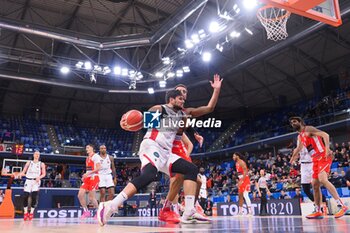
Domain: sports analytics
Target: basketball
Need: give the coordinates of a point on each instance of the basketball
(133, 120)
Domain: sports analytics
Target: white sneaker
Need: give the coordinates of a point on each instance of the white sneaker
(194, 217)
(104, 212)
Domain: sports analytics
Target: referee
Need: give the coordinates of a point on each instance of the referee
(262, 188)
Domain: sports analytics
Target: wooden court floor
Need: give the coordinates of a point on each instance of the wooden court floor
(148, 224)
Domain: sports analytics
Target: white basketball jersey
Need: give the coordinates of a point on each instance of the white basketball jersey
(105, 166)
(34, 170)
(305, 155)
(169, 126)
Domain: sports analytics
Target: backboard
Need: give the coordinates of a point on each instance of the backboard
(12, 166)
(326, 11)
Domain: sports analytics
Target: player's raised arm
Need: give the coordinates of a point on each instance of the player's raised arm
(203, 110)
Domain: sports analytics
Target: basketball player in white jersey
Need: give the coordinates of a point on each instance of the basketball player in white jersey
(34, 171)
(176, 182)
(106, 174)
(155, 155)
(305, 171)
(90, 180)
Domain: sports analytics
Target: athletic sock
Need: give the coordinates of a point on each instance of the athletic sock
(119, 200)
(189, 204)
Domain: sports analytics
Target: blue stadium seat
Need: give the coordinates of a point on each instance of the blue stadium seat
(334, 165)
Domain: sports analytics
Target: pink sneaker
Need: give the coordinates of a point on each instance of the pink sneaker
(86, 214)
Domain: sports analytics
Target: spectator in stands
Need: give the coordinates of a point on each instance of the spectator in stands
(153, 200)
(347, 178)
(2, 196)
(298, 195)
(58, 179)
(279, 162)
(208, 207)
(336, 180)
(284, 195)
(49, 184)
(228, 198)
(343, 178)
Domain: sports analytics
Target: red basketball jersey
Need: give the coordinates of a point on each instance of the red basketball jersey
(314, 144)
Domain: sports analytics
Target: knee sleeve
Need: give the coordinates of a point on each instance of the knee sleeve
(25, 199)
(307, 191)
(148, 175)
(189, 170)
(34, 199)
(247, 199)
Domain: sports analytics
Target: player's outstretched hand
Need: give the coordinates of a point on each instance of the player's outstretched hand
(216, 84)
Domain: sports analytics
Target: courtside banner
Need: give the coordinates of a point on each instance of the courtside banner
(274, 207)
(61, 213)
(148, 212)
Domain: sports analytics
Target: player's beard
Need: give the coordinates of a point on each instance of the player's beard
(177, 107)
(296, 127)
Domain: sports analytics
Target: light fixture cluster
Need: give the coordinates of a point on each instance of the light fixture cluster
(94, 70)
(194, 43)
(169, 72)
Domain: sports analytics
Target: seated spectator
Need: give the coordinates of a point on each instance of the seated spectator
(228, 198)
(336, 180)
(284, 195)
(298, 195)
(347, 178)
(208, 207)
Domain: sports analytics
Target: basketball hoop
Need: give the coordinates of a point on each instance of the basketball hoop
(274, 21)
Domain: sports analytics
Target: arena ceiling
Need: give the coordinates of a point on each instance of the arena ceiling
(39, 36)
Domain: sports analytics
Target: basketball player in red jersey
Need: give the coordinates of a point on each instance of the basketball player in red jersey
(182, 146)
(244, 182)
(90, 180)
(317, 144)
(179, 149)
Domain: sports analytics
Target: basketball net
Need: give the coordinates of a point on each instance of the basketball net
(15, 175)
(274, 21)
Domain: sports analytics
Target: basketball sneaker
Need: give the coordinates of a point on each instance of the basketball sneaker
(341, 211)
(26, 217)
(167, 215)
(194, 217)
(30, 217)
(86, 214)
(104, 212)
(315, 215)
